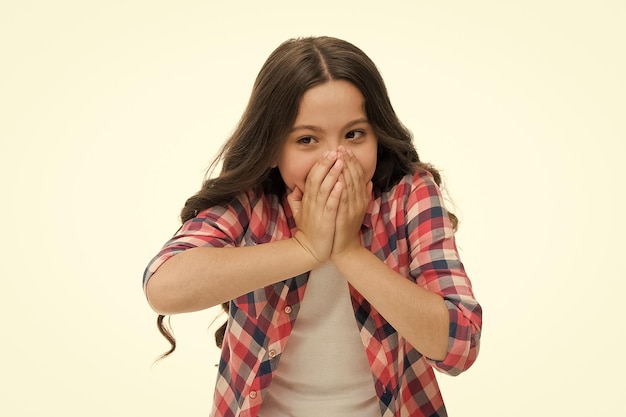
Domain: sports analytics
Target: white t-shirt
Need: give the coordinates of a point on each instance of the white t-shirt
(323, 370)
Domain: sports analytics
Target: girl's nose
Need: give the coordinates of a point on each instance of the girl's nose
(333, 145)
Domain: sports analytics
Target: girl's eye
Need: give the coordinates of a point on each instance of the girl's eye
(305, 140)
(355, 134)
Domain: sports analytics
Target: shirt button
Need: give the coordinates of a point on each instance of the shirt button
(253, 394)
(288, 310)
(272, 353)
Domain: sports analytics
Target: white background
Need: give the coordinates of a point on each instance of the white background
(110, 112)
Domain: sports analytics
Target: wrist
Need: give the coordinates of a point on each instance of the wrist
(311, 259)
(344, 258)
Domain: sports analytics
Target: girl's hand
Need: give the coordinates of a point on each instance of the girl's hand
(355, 198)
(315, 209)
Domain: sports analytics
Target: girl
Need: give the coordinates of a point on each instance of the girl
(328, 240)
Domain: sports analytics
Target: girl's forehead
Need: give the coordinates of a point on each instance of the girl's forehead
(329, 101)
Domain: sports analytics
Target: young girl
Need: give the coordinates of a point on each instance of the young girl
(329, 241)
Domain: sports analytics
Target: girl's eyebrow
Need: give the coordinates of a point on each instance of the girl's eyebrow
(319, 129)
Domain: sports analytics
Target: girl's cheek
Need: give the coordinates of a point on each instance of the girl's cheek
(299, 173)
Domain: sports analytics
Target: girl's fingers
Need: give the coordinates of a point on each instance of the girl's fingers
(355, 182)
(355, 168)
(335, 197)
(347, 176)
(330, 180)
(319, 172)
(318, 204)
(355, 196)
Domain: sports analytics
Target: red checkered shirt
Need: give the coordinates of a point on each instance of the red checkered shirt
(408, 228)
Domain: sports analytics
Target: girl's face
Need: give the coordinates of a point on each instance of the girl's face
(330, 114)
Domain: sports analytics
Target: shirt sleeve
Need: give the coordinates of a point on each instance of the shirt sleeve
(435, 265)
(218, 226)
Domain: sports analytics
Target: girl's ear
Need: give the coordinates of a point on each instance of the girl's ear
(274, 164)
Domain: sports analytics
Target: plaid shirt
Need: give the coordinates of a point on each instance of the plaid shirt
(406, 227)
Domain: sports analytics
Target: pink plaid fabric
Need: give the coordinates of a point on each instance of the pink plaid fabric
(406, 227)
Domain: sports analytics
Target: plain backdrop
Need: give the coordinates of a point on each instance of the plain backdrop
(110, 112)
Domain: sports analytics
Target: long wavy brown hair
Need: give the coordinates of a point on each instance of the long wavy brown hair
(247, 156)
